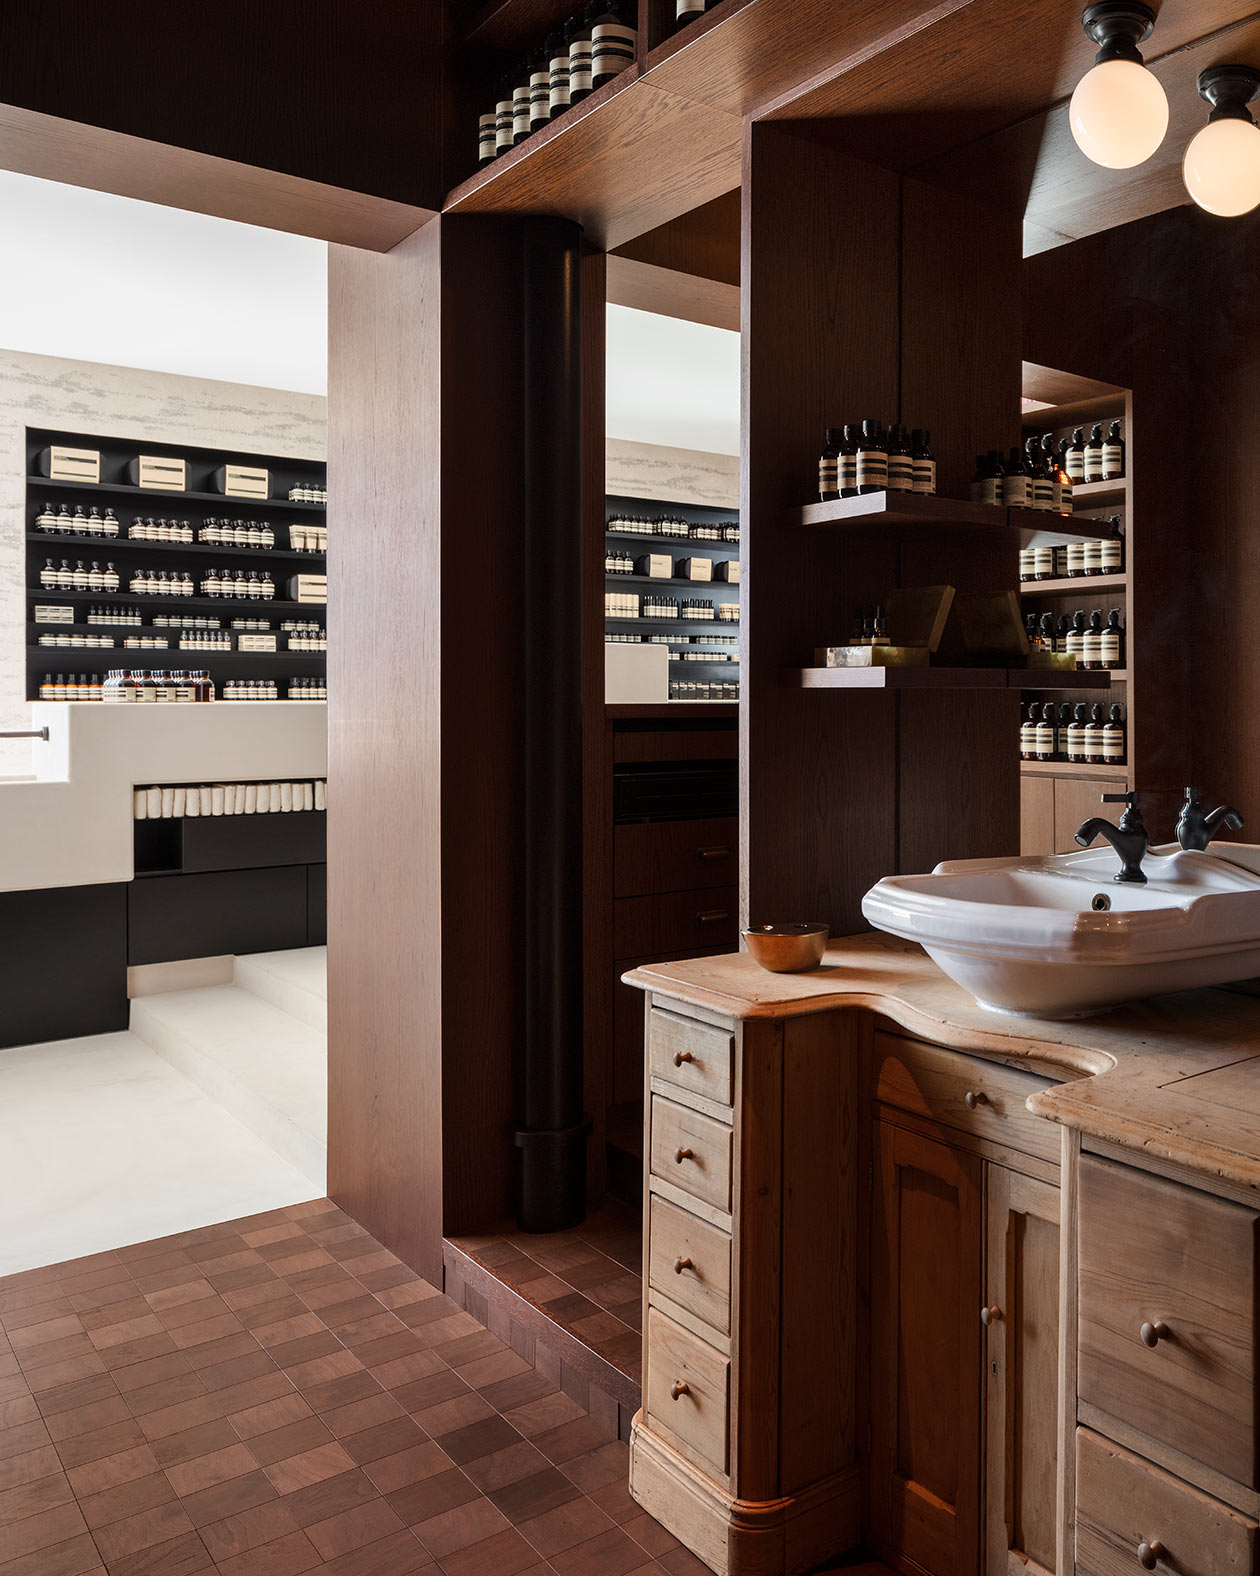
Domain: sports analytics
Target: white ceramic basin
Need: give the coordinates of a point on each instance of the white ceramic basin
(1059, 938)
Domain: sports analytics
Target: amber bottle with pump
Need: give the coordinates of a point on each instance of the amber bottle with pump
(1111, 549)
(1065, 479)
(1076, 733)
(1061, 731)
(557, 75)
(924, 461)
(1094, 735)
(1076, 637)
(1046, 733)
(1028, 731)
(900, 463)
(1094, 454)
(1113, 454)
(1076, 456)
(1017, 482)
(829, 466)
(1091, 653)
(1112, 641)
(1050, 464)
(847, 460)
(1113, 738)
(613, 41)
(578, 31)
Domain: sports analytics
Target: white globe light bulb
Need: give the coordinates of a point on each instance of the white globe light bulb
(1221, 168)
(1118, 114)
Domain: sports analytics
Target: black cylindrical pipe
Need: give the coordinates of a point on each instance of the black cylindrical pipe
(552, 1133)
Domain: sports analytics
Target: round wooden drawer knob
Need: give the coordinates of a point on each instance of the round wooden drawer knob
(680, 1387)
(682, 1056)
(680, 1155)
(990, 1316)
(680, 1265)
(974, 1098)
(1152, 1335)
(1150, 1554)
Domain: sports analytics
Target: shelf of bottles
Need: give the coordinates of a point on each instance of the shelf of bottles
(190, 591)
(671, 578)
(1075, 592)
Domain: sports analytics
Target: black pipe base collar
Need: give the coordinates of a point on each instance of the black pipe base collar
(552, 1177)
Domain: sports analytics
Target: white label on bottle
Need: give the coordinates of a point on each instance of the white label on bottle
(1043, 561)
(502, 142)
(925, 476)
(612, 48)
(1093, 462)
(539, 94)
(900, 473)
(1076, 558)
(1076, 464)
(558, 86)
(1111, 462)
(847, 468)
(579, 66)
(1027, 559)
(1093, 553)
(1111, 555)
(1015, 492)
(872, 468)
(1113, 742)
(486, 132)
(1109, 648)
(828, 475)
(1042, 494)
(520, 111)
(1091, 648)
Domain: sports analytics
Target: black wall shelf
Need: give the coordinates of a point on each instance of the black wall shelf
(198, 504)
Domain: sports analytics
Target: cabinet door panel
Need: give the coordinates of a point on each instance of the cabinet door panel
(925, 1351)
(1075, 800)
(1021, 1373)
(1036, 816)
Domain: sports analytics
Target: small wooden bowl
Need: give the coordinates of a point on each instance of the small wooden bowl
(790, 948)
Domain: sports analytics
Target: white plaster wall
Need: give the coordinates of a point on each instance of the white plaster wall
(119, 402)
(650, 470)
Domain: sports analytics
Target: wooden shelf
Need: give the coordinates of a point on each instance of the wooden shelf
(239, 607)
(1073, 585)
(670, 541)
(37, 485)
(1085, 678)
(1108, 771)
(931, 678)
(674, 708)
(128, 544)
(673, 623)
(172, 657)
(660, 580)
(1097, 495)
(929, 515)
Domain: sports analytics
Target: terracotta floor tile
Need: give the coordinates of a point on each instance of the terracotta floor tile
(648, 1533)
(236, 1370)
(505, 1466)
(609, 1553)
(77, 1556)
(86, 1419)
(182, 1556)
(141, 1349)
(126, 1499)
(313, 1466)
(336, 1393)
(571, 1439)
(412, 1465)
(385, 1439)
(460, 1412)
(505, 1394)
(230, 1498)
(23, 1437)
(485, 1371)
(682, 1562)
(461, 1527)
(264, 1419)
(42, 1530)
(174, 1449)
(31, 1499)
(111, 1471)
(258, 1391)
(239, 1344)
(184, 1291)
(479, 1439)
(353, 1529)
(61, 1376)
(426, 1393)
(166, 1392)
(102, 1442)
(178, 1418)
(376, 1326)
(544, 1415)
(614, 1500)
(153, 1370)
(293, 1439)
(608, 1463)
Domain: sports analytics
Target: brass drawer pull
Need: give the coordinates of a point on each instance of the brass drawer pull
(680, 1265)
(1152, 1335)
(713, 916)
(682, 1056)
(974, 1098)
(990, 1316)
(713, 853)
(682, 1154)
(681, 1387)
(1149, 1554)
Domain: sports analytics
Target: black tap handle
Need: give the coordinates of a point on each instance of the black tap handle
(1120, 798)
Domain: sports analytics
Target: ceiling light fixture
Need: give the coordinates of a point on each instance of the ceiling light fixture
(1119, 112)
(1221, 168)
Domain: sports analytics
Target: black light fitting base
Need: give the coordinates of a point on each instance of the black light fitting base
(1118, 27)
(1229, 89)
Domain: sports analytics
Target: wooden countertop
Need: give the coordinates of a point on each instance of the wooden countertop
(1177, 1077)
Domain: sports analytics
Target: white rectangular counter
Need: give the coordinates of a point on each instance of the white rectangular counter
(71, 823)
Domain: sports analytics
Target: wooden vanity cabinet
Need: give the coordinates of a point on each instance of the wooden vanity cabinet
(964, 1276)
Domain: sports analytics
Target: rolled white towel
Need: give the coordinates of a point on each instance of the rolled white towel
(321, 795)
(274, 799)
(308, 796)
(154, 796)
(192, 801)
(205, 796)
(216, 799)
(140, 804)
(168, 802)
(179, 802)
(230, 800)
(286, 796)
(251, 798)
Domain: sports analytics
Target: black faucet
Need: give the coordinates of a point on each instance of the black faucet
(1194, 829)
(1129, 839)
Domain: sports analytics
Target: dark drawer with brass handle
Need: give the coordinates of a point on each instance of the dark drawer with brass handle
(675, 856)
(1169, 1314)
(676, 922)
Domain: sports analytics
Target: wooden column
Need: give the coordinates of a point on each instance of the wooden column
(426, 896)
(864, 295)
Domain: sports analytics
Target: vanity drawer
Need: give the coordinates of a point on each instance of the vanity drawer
(675, 922)
(691, 1151)
(1154, 1252)
(674, 856)
(1122, 1502)
(687, 1398)
(695, 1056)
(689, 1261)
(964, 1092)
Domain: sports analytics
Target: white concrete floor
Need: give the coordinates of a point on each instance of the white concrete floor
(103, 1142)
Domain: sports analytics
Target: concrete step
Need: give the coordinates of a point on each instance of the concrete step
(265, 1066)
(296, 981)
